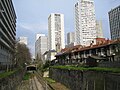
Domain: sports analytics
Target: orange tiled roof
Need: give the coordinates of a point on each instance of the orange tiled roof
(101, 42)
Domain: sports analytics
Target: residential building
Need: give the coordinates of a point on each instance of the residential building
(70, 45)
(49, 55)
(99, 29)
(85, 25)
(114, 21)
(7, 33)
(23, 40)
(70, 38)
(40, 47)
(38, 35)
(56, 32)
(105, 53)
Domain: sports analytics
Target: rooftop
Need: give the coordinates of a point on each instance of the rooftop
(100, 42)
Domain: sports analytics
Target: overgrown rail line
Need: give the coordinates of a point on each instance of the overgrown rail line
(44, 83)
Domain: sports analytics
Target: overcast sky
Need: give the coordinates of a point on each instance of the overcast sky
(32, 16)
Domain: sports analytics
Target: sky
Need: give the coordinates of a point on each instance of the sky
(32, 16)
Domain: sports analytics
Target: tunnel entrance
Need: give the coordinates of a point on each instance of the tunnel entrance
(31, 68)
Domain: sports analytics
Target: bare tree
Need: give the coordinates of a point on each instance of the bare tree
(23, 55)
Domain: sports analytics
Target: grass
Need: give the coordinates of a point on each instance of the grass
(6, 74)
(101, 69)
(27, 76)
(55, 85)
(49, 80)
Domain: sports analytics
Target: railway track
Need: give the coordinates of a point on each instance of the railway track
(35, 86)
(36, 82)
(44, 83)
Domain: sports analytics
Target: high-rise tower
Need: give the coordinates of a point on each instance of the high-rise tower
(99, 29)
(70, 37)
(40, 46)
(114, 20)
(23, 40)
(85, 26)
(56, 32)
(7, 33)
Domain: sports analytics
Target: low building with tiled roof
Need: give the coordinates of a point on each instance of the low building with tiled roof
(108, 49)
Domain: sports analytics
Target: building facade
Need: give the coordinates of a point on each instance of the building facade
(56, 32)
(107, 51)
(23, 40)
(38, 35)
(85, 25)
(7, 33)
(114, 21)
(70, 37)
(99, 29)
(49, 55)
(40, 47)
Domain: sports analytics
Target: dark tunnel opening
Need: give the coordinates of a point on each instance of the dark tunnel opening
(31, 68)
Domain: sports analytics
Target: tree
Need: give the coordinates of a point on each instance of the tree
(46, 65)
(23, 55)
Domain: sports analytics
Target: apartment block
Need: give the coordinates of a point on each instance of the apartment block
(56, 32)
(7, 33)
(114, 21)
(85, 22)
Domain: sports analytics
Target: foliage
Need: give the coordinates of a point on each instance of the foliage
(26, 76)
(39, 60)
(49, 80)
(23, 55)
(6, 74)
(101, 69)
(46, 65)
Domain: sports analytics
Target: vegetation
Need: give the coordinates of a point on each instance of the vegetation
(49, 80)
(39, 61)
(6, 74)
(45, 66)
(23, 55)
(27, 76)
(55, 85)
(101, 69)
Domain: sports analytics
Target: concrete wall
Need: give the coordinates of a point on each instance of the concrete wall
(89, 80)
(109, 64)
(11, 82)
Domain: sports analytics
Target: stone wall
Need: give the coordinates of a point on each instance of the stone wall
(12, 81)
(86, 80)
(109, 64)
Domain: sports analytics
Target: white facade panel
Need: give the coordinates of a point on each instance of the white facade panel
(70, 38)
(56, 32)
(23, 40)
(40, 47)
(99, 29)
(85, 25)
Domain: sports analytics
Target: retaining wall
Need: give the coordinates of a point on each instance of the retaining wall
(12, 81)
(86, 80)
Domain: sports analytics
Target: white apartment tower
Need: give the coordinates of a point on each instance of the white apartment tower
(40, 46)
(99, 29)
(70, 38)
(23, 40)
(85, 22)
(38, 35)
(56, 32)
